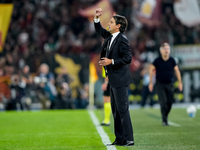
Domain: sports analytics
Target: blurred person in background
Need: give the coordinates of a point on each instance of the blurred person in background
(64, 77)
(165, 66)
(81, 102)
(9, 66)
(82, 99)
(40, 94)
(17, 93)
(51, 92)
(145, 90)
(85, 92)
(64, 100)
(4, 87)
(47, 89)
(44, 72)
(106, 100)
(26, 77)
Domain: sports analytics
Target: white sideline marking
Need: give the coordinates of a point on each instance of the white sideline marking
(104, 137)
(174, 124)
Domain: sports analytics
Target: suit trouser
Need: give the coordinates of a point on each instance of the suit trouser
(165, 95)
(120, 109)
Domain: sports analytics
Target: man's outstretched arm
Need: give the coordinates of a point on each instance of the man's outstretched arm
(98, 28)
(178, 75)
(151, 73)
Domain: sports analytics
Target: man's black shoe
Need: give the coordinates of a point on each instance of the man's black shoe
(115, 143)
(165, 124)
(128, 143)
(105, 124)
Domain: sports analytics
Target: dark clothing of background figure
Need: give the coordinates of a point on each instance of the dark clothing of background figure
(145, 94)
(63, 78)
(107, 91)
(164, 69)
(17, 93)
(165, 94)
(81, 101)
(145, 90)
(64, 101)
(119, 79)
(164, 84)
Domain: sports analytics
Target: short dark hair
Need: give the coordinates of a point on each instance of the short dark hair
(163, 45)
(122, 21)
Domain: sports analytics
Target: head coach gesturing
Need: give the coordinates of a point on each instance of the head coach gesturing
(115, 57)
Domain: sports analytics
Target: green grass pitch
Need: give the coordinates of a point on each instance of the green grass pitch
(74, 130)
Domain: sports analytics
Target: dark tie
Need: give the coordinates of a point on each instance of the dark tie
(107, 49)
(108, 45)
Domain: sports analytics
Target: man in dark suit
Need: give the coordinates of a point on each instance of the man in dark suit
(115, 57)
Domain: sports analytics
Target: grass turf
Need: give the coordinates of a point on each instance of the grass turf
(149, 133)
(74, 130)
(48, 130)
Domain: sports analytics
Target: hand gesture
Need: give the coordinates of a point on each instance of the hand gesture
(105, 61)
(104, 86)
(150, 87)
(98, 12)
(180, 86)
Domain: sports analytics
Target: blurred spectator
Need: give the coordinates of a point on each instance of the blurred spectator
(17, 92)
(64, 100)
(145, 90)
(82, 99)
(47, 86)
(26, 78)
(63, 77)
(51, 92)
(44, 72)
(85, 91)
(40, 92)
(4, 87)
(9, 64)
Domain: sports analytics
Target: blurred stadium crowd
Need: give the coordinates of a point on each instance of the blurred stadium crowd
(41, 28)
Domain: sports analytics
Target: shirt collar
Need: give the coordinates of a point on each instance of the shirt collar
(115, 34)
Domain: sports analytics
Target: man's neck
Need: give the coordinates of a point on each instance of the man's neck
(115, 32)
(165, 58)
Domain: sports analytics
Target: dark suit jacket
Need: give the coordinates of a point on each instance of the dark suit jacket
(118, 74)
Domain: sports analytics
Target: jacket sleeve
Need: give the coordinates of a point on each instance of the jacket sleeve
(125, 53)
(101, 31)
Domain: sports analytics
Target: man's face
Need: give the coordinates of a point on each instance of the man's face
(165, 51)
(113, 27)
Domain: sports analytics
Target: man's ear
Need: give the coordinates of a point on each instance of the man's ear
(118, 26)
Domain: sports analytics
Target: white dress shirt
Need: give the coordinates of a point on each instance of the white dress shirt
(114, 35)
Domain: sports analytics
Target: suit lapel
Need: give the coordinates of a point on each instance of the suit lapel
(106, 42)
(113, 43)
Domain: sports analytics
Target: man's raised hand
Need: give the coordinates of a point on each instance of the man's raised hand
(98, 13)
